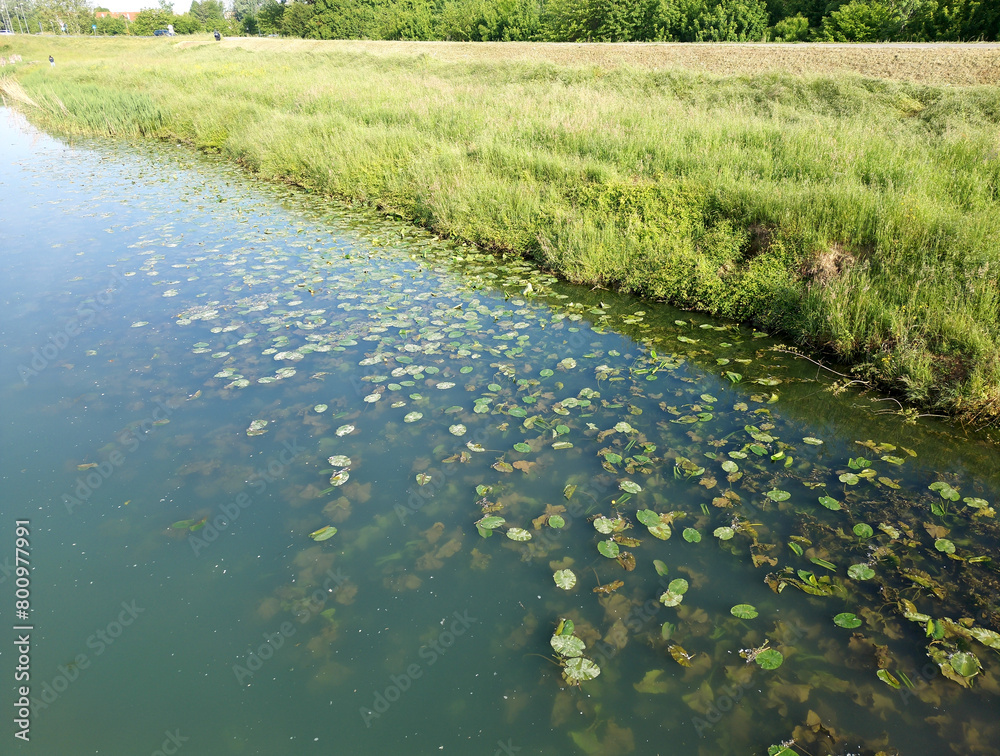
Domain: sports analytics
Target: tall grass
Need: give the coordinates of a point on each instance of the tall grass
(859, 217)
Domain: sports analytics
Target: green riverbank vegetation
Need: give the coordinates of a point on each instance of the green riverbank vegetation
(537, 20)
(858, 217)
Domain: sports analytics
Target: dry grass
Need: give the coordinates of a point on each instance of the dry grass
(949, 64)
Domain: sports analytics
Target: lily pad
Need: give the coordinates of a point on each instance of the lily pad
(580, 669)
(847, 620)
(323, 533)
(744, 611)
(829, 502)
(769, 658)
(340, 460)
(567, 645)
(629, 486)
(691, 535)
(648, 517)
(518, 534)
(724, 533)
(565, 579)
(556, 521)
(608, 548)
(944, 545)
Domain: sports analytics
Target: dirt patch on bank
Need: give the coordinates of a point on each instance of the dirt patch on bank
(950, 64)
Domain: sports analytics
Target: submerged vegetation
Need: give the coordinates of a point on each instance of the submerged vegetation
(859, 217)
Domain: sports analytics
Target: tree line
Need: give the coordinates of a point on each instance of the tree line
(550, 20)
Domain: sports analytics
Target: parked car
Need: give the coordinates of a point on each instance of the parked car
(163, 33)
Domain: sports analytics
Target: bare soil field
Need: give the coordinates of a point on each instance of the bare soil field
(947, 64)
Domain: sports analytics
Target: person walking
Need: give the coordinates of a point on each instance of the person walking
(52, 61)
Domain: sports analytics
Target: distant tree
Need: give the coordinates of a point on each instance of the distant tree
(708, 20)
(344, 19)
(111, 26)
(187, 23)
(296, 19)
(149, 20)
(209, 12)
(408, 20)
(488, 20)
(244, 8)
(269, 17)
(791, 29)
(858, 21)
(954, 20)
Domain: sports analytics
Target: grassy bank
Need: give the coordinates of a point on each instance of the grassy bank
(859, 216)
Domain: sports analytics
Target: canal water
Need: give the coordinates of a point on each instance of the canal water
(301, 480)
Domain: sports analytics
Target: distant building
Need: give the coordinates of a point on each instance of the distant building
(127, 15)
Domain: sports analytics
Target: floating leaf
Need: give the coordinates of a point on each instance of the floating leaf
(965, 663)
(423, 479)
(823, 563)
(567, 645)
(691, 535)
(769, 658)
(812, 441)
(648, 517)
(660, 567)
(340, 460)
(556, 521)
(565, 579)
(944, 545)
(522, 447)
(729, 466)
(580, 670)
(849, 478)
(257, 428)
(608, 548)
(863, 530)
(629, 486)
(518, 534)
(829, 503)
(724, 533)
(457, 430)
(887, 677)
(661, 531)
(778, 495)
(323, 533)
(490, 522)
(343, 430)
(744, 611)
(847, 620)
(339, 478)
